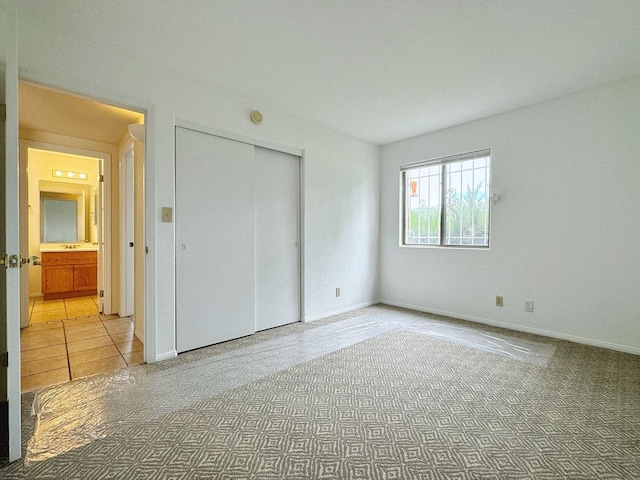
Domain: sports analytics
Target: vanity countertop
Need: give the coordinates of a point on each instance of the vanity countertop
(68, 247)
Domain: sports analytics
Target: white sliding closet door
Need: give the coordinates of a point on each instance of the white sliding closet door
(215, 259)
(277, 203)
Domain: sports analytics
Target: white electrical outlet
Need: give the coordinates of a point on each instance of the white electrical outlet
(499, 301)
(337, 291)
(528, 305)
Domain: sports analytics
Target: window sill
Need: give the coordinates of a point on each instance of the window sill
(448, 247)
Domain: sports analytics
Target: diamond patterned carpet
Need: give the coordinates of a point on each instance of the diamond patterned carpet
(399, 405)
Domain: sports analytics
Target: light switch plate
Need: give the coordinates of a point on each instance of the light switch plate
(167, 214)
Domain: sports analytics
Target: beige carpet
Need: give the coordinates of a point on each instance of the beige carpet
(399, 405)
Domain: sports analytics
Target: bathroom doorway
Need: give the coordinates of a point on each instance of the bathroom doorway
(70, 204)
(65, 211)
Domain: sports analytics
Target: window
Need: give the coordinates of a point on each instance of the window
(446, 201)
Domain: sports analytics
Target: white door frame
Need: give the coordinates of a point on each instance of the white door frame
(150, 257)
(127, 228)
(10, 48)
(104, 264)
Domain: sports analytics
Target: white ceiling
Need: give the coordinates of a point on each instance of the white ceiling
(379, 70)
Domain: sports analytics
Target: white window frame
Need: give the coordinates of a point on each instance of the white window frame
(442, 162)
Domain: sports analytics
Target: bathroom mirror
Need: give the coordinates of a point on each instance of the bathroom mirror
(59, 217)
(64, 213)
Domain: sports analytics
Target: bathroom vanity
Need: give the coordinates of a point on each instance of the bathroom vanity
(69, 272)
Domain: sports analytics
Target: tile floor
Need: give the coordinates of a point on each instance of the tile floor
(68, 339)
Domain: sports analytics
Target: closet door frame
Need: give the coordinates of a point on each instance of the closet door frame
(295, 151)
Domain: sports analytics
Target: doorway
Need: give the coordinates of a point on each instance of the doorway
(64, 213)
(70, 155)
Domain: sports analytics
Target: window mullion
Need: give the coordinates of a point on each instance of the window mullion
(473, 207)
(443, 207)
(460, 209)
(488, 190)
(405, 208)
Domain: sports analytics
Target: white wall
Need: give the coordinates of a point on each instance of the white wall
(341, 174)
(566, 233)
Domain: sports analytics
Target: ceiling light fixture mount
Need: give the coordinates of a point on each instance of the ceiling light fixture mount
(256, 117)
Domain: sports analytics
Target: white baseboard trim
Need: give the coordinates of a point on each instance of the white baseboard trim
(166, 356)
(320, 316)
(519, 328)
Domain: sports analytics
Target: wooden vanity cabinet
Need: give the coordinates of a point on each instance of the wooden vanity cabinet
(69, 274)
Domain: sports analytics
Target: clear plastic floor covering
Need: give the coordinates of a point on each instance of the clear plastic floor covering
(79, 412)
